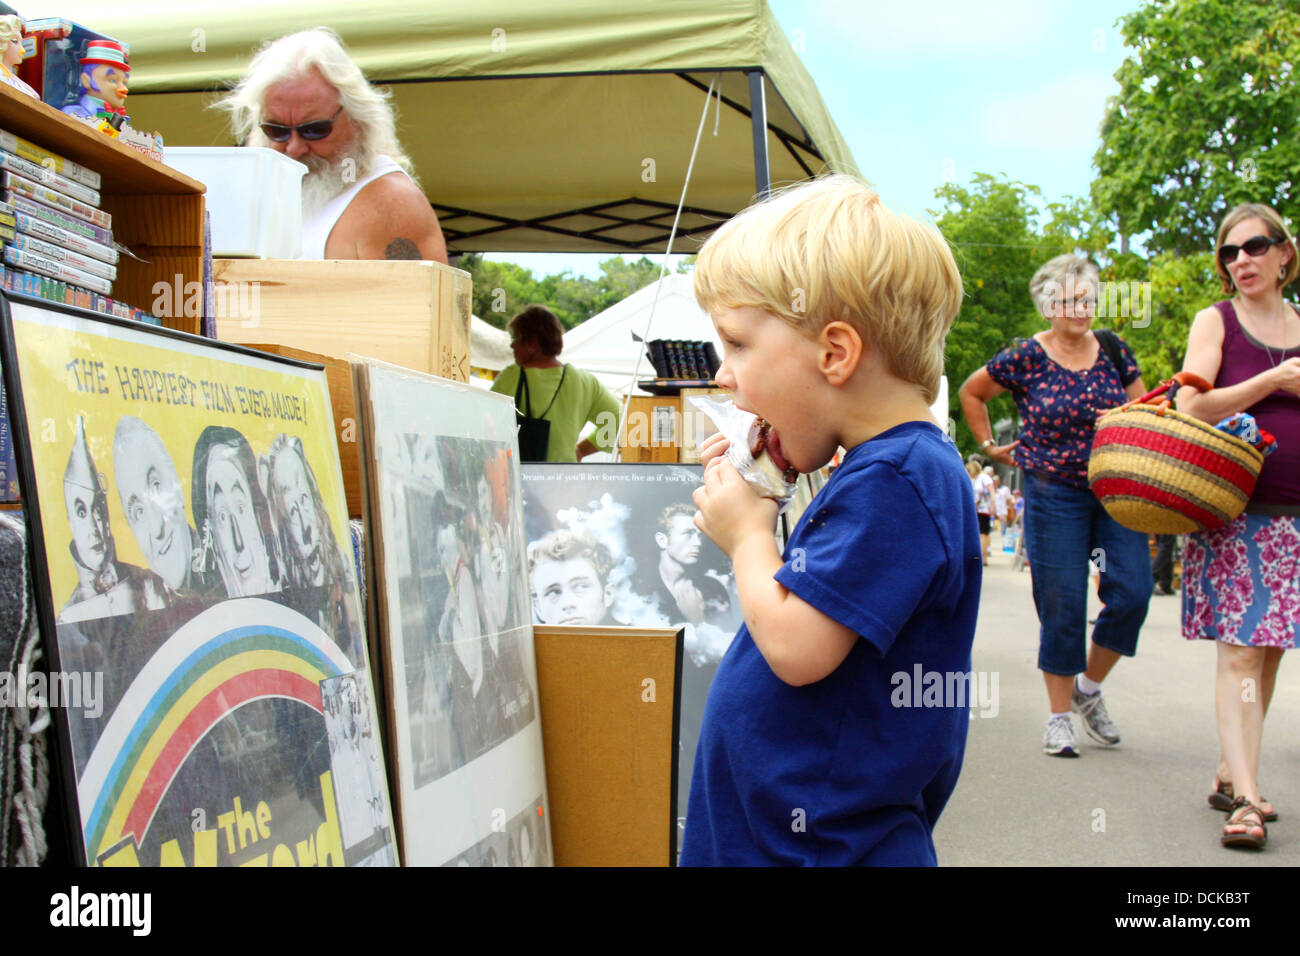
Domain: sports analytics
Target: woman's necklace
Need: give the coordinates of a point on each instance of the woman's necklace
(1259, 338)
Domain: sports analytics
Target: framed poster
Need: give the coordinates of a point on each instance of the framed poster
(617, 544)
(197, 597)
(442, 492)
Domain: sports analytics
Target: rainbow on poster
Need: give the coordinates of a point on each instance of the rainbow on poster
(237, 652)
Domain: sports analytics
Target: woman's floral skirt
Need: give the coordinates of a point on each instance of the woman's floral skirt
(1241, 583)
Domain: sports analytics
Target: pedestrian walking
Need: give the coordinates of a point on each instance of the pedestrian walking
(1239, 581)
(1061, 379)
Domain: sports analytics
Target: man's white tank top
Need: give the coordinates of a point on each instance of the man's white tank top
(316, 231)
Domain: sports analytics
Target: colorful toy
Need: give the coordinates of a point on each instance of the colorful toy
(104, 76)
(12, 52)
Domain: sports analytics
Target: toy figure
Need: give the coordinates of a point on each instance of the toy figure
(12, 53)
(104, 76)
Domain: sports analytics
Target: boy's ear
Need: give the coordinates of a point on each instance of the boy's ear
(841, 351)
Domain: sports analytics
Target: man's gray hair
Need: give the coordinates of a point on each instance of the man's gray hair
(1059, 277)
(295, 56)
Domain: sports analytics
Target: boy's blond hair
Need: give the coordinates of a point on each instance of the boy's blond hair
(829, 250)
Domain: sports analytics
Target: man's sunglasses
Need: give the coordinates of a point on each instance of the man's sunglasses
(316, 129)
(1254, 246)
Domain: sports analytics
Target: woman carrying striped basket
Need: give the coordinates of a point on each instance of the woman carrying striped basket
(1241, 582)
(1061, 379)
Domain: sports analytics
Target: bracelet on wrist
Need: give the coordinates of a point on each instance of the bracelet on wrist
(987, 443)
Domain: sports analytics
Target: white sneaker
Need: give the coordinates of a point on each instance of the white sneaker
(1095, 717)
(1059, 739)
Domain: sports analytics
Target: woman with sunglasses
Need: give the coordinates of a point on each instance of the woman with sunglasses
(1060, 380)
(1240, 581)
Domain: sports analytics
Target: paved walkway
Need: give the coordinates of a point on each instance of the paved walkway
(1139, 804)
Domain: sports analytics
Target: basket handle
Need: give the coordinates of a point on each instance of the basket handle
(1171, 386)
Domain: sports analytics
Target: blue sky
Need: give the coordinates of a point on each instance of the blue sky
(928, 91)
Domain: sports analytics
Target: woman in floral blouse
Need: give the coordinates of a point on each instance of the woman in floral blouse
(1061, 380)
(1241, 583)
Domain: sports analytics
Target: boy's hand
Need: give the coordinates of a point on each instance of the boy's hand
(730, 510)
(714, 446)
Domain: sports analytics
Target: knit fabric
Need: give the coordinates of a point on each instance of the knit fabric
(24, 757)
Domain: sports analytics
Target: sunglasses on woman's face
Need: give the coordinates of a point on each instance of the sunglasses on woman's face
(315, 130)
(1254, 246)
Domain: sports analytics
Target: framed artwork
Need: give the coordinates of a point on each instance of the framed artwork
(441, 467)
(197, 597)
(615, 544)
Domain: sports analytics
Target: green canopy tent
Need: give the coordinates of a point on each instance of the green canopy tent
(551, 126)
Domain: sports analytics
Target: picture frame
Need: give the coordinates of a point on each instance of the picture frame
(650, 562)
(195, 586)
(443, 500)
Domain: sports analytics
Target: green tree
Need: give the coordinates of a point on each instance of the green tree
(992, 228)
(1180, 287)
(1206, 118)
(502, 289)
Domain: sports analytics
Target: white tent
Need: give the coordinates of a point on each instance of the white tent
(489, 347)
(604, 346)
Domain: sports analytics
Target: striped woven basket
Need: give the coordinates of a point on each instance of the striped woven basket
(1161, 472)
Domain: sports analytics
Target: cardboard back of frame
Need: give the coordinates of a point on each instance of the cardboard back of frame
(609, 703)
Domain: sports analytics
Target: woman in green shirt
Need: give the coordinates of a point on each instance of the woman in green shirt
(567, 397)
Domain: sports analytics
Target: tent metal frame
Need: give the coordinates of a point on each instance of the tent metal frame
(655, 211)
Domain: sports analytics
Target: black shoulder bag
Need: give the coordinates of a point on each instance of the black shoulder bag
(1109, 343)
(534, 433)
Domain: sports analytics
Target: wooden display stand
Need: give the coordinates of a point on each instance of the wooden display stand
(409, 313)
(157, 212)
(651, 429)
(665, 428)
(609, 700)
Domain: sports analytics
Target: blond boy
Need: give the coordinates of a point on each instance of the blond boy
(837, 721)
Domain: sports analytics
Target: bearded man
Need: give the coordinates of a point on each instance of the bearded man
(304, 97)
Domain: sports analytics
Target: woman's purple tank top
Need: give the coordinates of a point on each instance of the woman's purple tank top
(1244, 357)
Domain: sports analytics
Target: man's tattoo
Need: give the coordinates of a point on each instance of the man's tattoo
(401, 248)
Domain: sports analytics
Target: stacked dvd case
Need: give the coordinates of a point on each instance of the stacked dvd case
(57, 242)
(683, 360)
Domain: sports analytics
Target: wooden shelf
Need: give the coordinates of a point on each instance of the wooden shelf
(126, 171)
(157, 212)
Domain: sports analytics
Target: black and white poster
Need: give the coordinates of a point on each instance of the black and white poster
(617, 544)
(443, 478)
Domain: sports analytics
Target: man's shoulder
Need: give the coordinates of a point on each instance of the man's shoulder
(393, 194)
(391, 216)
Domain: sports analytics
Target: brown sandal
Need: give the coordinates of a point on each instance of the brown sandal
(1222, 799)
(1243, 812)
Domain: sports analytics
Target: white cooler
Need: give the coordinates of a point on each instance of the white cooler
(254, 196)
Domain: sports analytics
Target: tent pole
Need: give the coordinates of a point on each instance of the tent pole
(758, 122)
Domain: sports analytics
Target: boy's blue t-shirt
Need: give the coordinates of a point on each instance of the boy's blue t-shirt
(855, 768)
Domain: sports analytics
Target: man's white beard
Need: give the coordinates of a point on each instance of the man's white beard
(325, 180)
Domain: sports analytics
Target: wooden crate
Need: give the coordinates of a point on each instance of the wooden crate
(157, 212)
(651, 429)
(413, 314)
(343, 402)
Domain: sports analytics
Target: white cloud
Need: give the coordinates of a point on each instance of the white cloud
(1063, 114)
